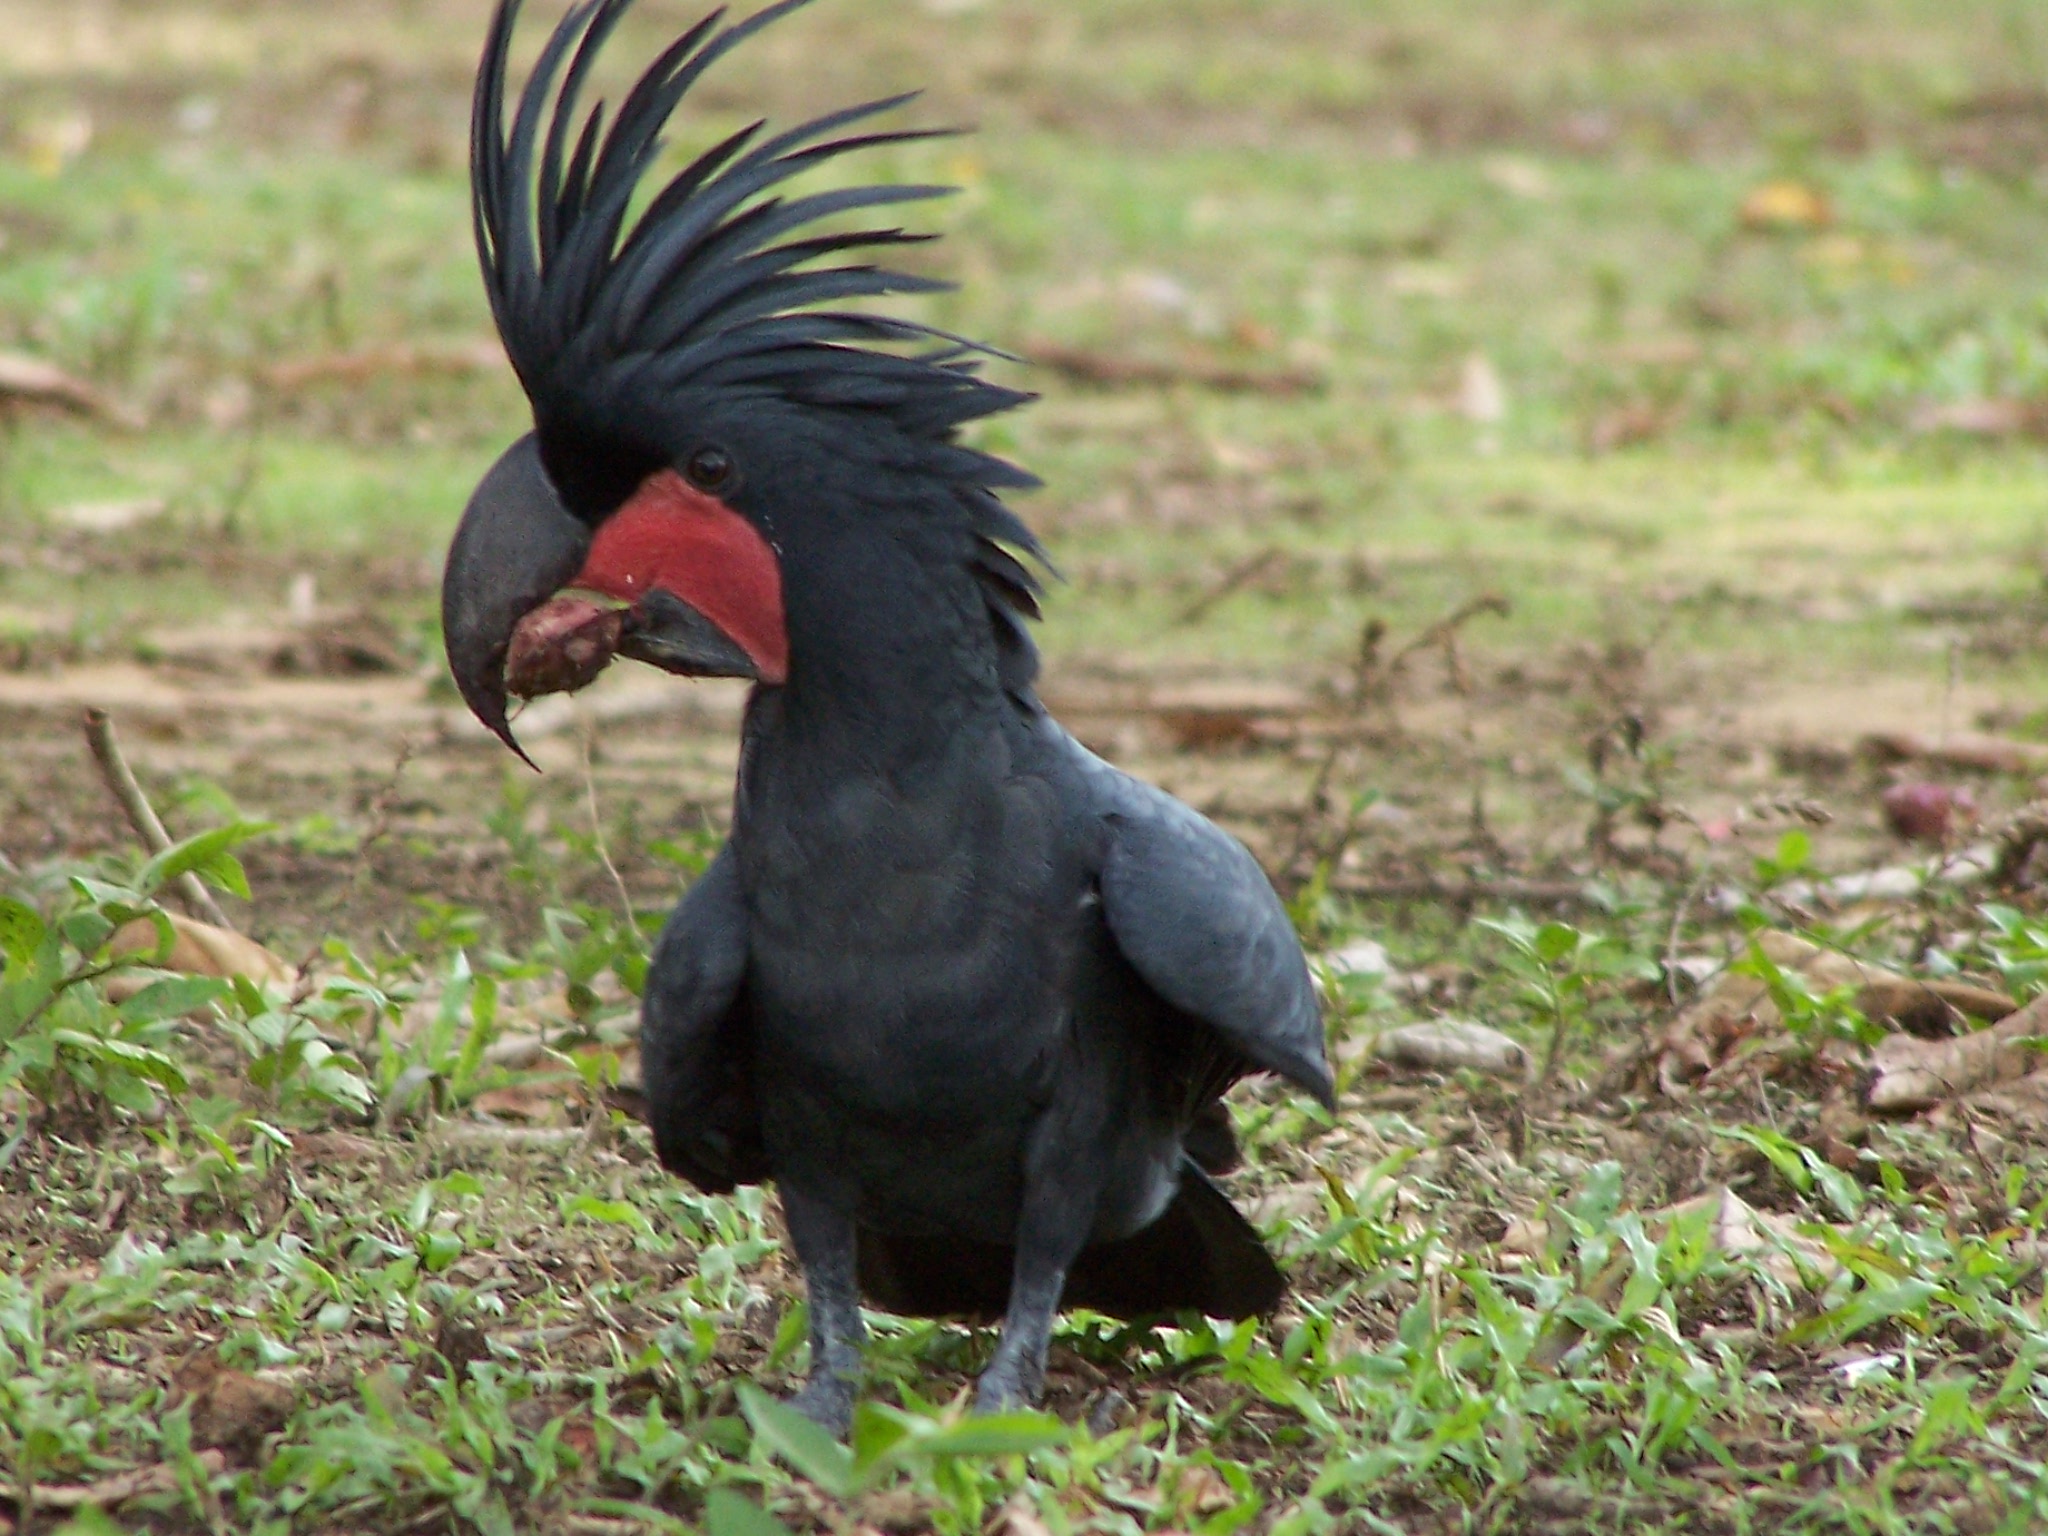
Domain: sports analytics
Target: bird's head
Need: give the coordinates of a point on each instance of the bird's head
(703, 396)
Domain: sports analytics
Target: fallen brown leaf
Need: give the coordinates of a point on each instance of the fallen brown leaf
(1201, 1490)
(1982, 754)
(537, 1101)
(112, 1492)
(1915, 1074)
(1737, 1228)
(399, 359)
(1736, 1008)
(201, 949)
(31, 381)
(1994, 417)
(1017, 1518)
(1928, 813)
(362, 645)
(317, 1147)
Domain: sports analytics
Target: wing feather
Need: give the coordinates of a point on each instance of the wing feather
(694, 1059)
(1197, 919)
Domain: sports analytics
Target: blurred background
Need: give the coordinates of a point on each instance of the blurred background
(1583, 404)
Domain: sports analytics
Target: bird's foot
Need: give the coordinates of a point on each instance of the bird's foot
(1007, 1387)
(827, 1401)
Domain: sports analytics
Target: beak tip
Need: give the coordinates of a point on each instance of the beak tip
(502, 729)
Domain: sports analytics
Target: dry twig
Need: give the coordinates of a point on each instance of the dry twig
(1537, 893)
(1115, 371)
(121, 783)
(1243, 572)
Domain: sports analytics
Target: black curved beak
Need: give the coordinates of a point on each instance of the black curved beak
(515, 548)
(666, 632)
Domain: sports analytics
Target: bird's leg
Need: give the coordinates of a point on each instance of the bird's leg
(825, 1246)
(1053, 1230)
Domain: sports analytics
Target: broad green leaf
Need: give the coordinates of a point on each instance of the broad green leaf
(137, 1059)
(877, 1428)
(1870, 1306)
(22, 932)
(438, 1250)
(728, 1512)
(996, 1434)
(808, 1449)
(86, 930)
(172, 998)
(126, 1090)
(618, 1213)
(207, 856)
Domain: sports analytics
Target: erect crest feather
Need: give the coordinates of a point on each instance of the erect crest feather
(712, 284)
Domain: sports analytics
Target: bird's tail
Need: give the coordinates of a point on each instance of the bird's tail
(1200, 1255)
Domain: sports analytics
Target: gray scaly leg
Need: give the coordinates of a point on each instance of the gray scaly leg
(1053, 1230)
(825, 1239)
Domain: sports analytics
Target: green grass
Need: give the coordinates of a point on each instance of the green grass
(1713, 447)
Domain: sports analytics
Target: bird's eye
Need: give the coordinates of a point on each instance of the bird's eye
(710, 469)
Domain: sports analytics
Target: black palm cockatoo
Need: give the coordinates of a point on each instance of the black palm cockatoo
(968, 994)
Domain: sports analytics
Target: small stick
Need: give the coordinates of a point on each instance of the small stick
(1238, 575)
(1426, 888)
(1444, 633)
(597, 836)
(106, 751)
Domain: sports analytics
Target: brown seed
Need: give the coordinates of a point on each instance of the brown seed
(1928, 813)
(562, 646)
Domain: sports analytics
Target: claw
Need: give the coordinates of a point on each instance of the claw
(826, 1401)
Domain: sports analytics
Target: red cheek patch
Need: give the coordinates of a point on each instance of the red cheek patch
(673, 536)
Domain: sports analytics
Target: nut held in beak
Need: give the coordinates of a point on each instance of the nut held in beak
(561, 646)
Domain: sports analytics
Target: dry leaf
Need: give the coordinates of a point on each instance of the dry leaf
(1786, 205)
(1741, 1230)
(1201, 1490)
(534, 1102)
(1017, 1518)
(35, 382)
(1961, 749)
(1991, 416)
(112, 1492)
(109, 516)
(1913, 1073)
(1736, 1007)
(322, 1147)
(1517, 177)
(197, 949)
(481, 355)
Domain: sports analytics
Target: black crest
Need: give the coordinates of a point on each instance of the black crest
(713, 285)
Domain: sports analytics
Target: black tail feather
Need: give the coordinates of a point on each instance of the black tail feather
(1201, 1255)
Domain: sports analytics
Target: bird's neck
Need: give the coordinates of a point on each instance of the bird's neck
(890, 655)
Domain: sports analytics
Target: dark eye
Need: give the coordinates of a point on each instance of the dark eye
(710, 469)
